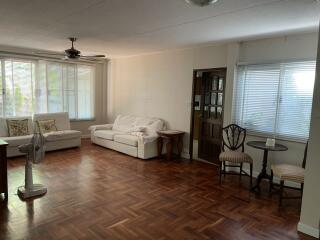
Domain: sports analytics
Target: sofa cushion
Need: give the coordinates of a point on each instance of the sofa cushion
(62, 121)
(130, 123)
(126, 139)
(17, 141)
(106, 134)
(62, 135)
(124, 123)
(17, 127)
(4, 128)
(46, 126)
(154, 127)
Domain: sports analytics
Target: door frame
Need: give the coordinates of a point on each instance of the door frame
(192, 104)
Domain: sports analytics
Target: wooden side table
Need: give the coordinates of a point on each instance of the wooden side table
(172, 137)
(262, 146)
(3, 169)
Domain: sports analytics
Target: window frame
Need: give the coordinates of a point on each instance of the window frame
(264, 134)
(36, 61)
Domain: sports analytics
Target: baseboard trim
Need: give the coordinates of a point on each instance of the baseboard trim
(306, 229)
(204, 161)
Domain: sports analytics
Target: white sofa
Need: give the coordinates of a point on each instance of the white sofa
(63, 138)
(132, 135)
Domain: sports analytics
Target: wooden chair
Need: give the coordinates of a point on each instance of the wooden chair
(233, 138)
(288, 172)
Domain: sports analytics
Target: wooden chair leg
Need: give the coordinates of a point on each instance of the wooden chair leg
(224, 168)
(241, 164)
(220, 170)
(281, 192)
(251, 169)
(271, 182)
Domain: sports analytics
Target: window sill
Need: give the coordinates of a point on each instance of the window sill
(280, 138)
(83, 120)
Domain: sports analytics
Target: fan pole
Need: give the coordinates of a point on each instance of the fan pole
(28, 174)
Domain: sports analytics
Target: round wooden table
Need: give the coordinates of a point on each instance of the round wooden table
(262, 146)
(171, 136)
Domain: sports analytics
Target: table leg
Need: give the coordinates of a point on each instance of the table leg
(263, 174)
(180, 146)
(169, 149)
(160, 146)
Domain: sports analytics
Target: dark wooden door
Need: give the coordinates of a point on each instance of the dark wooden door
(211, 120)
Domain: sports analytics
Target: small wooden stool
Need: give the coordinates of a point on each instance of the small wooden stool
(171, 136)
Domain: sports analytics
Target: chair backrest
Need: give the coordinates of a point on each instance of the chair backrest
(305, 155)
(233, 137)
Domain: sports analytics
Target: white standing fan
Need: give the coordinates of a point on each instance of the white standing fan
(35, 151)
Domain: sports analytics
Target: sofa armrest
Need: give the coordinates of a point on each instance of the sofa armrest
(147, 139)
(147, 147)
(101, 127)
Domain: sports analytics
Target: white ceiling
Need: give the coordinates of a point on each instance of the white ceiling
(130, 27)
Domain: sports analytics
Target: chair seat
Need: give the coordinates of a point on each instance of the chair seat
(235, 157)
(288, 172)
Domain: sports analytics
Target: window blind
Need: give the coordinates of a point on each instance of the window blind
(275, 99)
(30, 86)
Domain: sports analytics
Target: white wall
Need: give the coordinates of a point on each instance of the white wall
(160, 85)
(310, 211)
(294, 47)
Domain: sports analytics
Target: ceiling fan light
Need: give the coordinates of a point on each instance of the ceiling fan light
(201, 3)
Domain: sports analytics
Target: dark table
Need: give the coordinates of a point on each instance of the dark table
(3, 169)
(262, 145)
(171, 136)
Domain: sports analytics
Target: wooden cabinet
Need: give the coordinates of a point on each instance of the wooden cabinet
(3, 169)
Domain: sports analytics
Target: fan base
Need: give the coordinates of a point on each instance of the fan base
(36, 190)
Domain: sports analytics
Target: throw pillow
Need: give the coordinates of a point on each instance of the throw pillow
(46, 126)
(17, 127)
(136, 129)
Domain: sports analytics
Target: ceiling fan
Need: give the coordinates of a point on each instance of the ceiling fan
(72, 53)
(201, 3)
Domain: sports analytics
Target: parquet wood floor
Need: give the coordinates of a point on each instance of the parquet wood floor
(96, 193)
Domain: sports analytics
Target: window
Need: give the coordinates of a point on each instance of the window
(39, 86)
(275, 99)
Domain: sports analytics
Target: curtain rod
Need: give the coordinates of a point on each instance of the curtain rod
(46, 58)
(275, 61)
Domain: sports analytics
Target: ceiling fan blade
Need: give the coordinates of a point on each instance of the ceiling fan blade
(48, 53)
(90, 59)
(93, 56)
